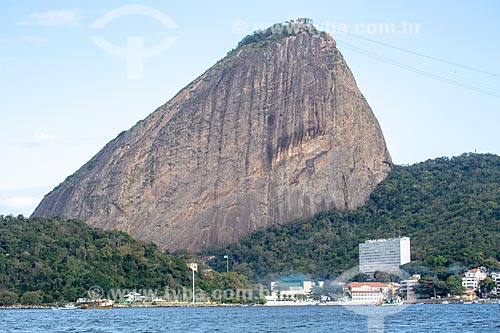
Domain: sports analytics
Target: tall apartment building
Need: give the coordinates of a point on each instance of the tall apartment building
(383, 255)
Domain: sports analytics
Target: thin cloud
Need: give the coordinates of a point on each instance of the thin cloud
(54, 18)
(41, 138)
(20, 201)
(45, 139)
(34, 40)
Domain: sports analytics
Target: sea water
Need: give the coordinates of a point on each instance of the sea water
(412, 318)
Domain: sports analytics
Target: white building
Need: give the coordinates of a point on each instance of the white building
(294, 285)
(495, 275)
(383, 255)
(472, 277)
(371, 292)
(407, 291)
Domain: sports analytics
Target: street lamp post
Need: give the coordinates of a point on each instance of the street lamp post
(227, 263)
(192, 268)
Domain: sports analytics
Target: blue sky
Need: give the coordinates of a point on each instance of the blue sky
(63, 97)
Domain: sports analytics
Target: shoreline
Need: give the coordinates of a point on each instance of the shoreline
(291, 304)
(127, 306)
(25, 307)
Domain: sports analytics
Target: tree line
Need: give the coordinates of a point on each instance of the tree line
(48, 260)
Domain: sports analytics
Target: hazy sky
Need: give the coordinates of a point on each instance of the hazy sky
(73, 76)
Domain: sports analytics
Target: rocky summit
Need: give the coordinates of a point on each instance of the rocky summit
(274, 132)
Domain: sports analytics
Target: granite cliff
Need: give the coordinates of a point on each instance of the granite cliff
(275, 131)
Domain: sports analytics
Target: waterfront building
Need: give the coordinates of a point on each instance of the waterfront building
(293, 286)
(407, 291)
(370, 292)
(472, 277)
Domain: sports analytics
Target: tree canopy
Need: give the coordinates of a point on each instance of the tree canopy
(450, 207)
(52, 259)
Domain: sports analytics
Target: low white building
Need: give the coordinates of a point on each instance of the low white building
(371, 292)
(292, 286)
(406, 290)
(473, 277)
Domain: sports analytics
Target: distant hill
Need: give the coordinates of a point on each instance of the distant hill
(450, 207)
(51, 260)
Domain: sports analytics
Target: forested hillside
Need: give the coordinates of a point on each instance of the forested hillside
(50, 260)
(448, 206)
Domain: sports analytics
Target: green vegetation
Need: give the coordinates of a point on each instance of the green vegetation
(50, 260)
(218, 284)
(430, 286)
(47, 260)
(486, 286)
(450, 207)
(8, 297)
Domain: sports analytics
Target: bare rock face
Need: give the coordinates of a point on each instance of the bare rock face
(274, 132)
